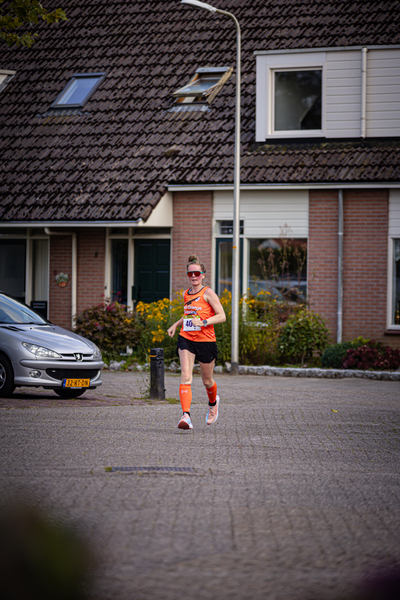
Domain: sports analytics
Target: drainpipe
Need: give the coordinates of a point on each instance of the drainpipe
(364, 92)
(340, 270)
(74, 268)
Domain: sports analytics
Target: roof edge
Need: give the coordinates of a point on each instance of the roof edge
(56, 224)
(209, 187)
(327, 49)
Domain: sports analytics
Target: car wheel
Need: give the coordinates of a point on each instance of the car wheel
(6, 377)
(68, 393)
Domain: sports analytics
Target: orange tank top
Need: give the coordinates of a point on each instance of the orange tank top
(196, 305)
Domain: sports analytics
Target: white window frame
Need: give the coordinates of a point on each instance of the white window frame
(393, 234)
(267, 65)
(294, 132)
(390, 325)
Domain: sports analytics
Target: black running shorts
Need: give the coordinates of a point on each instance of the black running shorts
(205, 352)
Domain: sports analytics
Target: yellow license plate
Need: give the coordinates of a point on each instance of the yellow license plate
(76, 383)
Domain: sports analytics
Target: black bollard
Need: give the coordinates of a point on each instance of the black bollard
(157, 390)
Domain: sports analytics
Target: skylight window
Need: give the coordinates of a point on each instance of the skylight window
(204, 85)
(78, 90)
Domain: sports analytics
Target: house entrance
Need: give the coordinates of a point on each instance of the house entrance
(152, 269)
(12, 268)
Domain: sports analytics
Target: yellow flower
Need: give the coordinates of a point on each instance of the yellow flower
(158, 335)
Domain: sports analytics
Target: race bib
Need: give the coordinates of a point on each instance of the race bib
(188, 324)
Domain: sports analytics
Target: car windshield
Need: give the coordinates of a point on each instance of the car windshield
(13, 312)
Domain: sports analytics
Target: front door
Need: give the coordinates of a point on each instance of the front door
(152, 269)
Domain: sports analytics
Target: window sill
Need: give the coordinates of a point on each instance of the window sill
(392, 332)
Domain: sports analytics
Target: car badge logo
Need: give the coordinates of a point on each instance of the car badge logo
(78, 356)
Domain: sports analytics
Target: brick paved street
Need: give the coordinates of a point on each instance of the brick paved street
(289, 500)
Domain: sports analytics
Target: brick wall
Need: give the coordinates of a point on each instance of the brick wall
(191, 236)
(90, 273)
(365, 264)
(364, 261)
(60, 297)
(322, 261)
(91, 267)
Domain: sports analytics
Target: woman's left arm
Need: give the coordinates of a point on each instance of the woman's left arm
(214, 301)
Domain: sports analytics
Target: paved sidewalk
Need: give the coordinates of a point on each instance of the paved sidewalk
(294, 494)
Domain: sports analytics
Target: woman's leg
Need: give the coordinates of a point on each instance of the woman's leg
(187, 363)
(207, 370)
(185, 390)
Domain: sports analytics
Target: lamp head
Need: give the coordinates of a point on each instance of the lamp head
(198, 4)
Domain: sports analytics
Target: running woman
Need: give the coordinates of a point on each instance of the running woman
(196, 340)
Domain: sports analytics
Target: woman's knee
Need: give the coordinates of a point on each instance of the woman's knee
(186, 378)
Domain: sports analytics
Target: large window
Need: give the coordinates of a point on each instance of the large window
(396, 283)
(298, 100)
(278, 266)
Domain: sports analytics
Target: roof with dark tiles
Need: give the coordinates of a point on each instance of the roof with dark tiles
(113, 159)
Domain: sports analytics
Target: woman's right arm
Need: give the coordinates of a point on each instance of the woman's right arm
(171, 331)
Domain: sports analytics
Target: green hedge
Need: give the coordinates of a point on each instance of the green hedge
(334, 355)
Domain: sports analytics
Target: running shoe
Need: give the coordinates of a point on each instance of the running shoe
(212, 413)
(185, 422)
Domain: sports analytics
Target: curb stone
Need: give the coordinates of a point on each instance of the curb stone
(315, 372)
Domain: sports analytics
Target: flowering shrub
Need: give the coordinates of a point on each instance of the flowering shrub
(109, 326)
(260, 319)
(303, 334)
(372, 356)
(155, 318)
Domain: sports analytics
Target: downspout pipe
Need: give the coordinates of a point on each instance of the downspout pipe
(74, 268)
(364, 92)
(339, 336)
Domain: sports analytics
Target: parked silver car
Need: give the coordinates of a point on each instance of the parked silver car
(33, 352)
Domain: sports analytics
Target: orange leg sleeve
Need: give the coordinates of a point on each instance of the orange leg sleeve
(185, 395)
(212, 393)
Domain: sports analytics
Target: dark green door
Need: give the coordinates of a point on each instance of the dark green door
(152, 269)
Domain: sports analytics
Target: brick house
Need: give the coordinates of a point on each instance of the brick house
(116, 162)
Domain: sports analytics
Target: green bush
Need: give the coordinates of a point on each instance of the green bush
(303, 335)
(109, 326)
(334, 355)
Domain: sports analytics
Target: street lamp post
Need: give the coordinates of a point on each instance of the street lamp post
(236, 192)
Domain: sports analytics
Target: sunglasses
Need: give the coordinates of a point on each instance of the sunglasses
(195, 273)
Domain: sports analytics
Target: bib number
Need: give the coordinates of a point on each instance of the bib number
(188, 325)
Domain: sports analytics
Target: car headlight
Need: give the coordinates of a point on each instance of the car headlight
(96, 352)
(41, 351)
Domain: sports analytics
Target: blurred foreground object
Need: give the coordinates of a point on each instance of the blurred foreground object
(40, 559)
